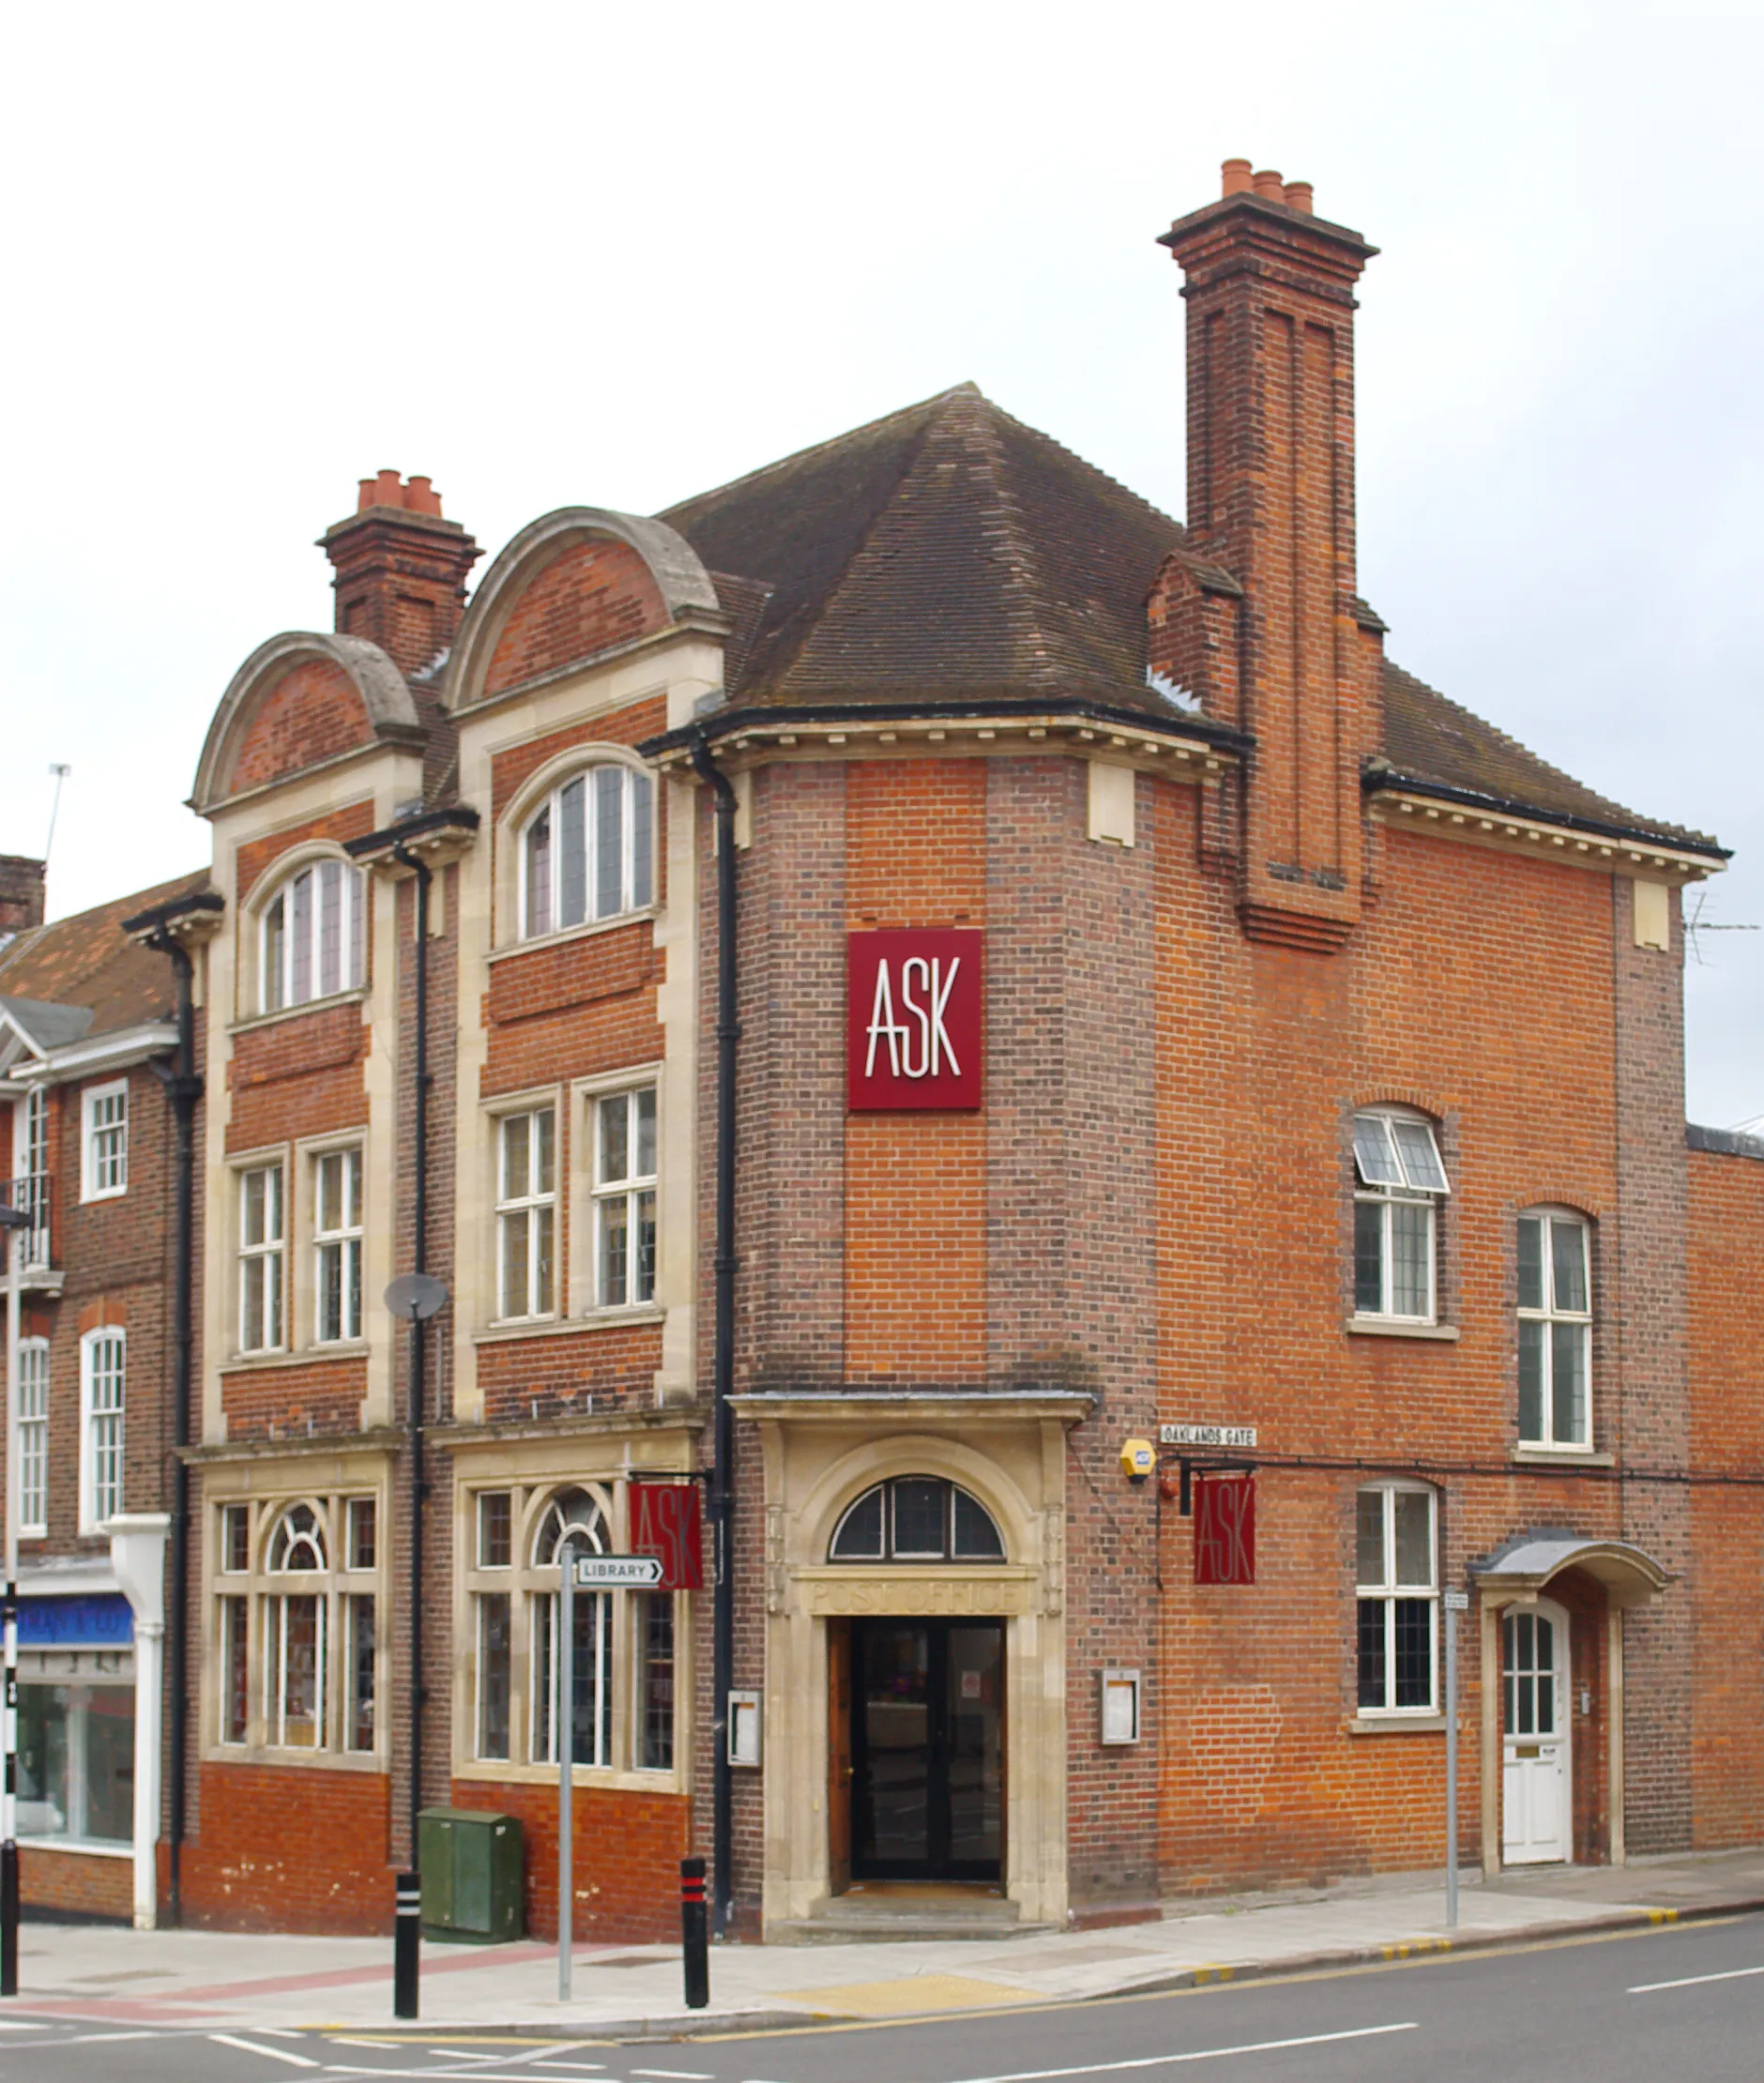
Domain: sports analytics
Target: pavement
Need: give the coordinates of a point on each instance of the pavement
(209, 1981)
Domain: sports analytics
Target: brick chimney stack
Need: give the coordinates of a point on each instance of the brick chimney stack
(400, 570)
(1271, 506)
(21, 893)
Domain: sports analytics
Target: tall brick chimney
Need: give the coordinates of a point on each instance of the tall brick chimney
(1293, 658)
(21, 893)
(400, 570)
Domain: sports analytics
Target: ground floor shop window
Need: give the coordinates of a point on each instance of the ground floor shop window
(622, 1707)
(77, 1762)
(297, 1641)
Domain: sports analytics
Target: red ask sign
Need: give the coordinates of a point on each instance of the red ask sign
(913, 1013)
(664, 1521)
(1224, 1527)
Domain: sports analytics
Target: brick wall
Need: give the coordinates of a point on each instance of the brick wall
(1651, 1358)
(76, 1884)
(590, 597)
(1725, 1197)
(289, 1848)
(312, 713)
(626, 1856)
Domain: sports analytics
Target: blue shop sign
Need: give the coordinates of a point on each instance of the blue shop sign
(98, 1619)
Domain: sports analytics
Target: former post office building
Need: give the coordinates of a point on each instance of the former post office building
(921, 948)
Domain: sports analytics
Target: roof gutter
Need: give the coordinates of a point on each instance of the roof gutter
(102, 1052)
(1381, 779)
(1175, 726)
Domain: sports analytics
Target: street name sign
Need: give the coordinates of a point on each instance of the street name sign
(1207, 1436)
(618, 1572)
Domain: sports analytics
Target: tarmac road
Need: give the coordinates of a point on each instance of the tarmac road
(1682, 2001)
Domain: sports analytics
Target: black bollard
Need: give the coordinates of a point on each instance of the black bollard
(9, 1918)
(694, 1934)
(406, 1938)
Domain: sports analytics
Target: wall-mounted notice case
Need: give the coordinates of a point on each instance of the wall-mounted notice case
(744, 1728)
(1120, 1707)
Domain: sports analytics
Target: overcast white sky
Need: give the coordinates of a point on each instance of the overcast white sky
(615, 255)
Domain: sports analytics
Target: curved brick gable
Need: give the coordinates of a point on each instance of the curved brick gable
(312, 713)
(594, 596)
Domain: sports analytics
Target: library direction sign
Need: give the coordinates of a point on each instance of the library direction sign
(618, 1572)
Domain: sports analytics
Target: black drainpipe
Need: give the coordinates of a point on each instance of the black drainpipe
(419, 1263)
(723, 1364)
(184, 1089)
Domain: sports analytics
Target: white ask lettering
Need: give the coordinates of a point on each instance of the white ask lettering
(917, 1042)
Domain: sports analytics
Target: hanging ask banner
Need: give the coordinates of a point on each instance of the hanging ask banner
(913, 1018)
(665, 1522)
(1225, 1525)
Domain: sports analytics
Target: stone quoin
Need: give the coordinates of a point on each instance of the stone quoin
(1157, 1016)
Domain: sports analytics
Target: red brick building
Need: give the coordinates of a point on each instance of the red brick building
(89, 1037)
(1156, 1017)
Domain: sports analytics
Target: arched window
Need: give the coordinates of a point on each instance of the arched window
(298, 1542)
(313, 932)
(586, 853)
(917, 1519)
(571, 1513)
(295, 1635)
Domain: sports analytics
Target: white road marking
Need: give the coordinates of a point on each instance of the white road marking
(95, 2039)
(1690, 1981)
(270, 2053)
(1199, 2054)
(677, 2075)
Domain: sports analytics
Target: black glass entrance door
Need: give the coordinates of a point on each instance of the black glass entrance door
(927, 1750)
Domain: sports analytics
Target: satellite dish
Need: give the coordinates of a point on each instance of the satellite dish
(415, 1295)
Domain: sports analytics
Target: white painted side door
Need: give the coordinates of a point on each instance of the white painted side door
(1536, 1811)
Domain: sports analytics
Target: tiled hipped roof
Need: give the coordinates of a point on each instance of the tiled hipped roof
(89, 961)
(950, 553)
(947, 549)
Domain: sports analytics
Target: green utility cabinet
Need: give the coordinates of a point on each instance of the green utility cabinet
(471, 1863)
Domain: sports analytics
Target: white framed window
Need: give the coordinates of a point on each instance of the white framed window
(104, 1141)
(337, 1246)
(586, 852)
(33, 1438)
(103, 1388)
(527, 1213)
(311, 935)
(294, 1633)
(1555, 1329)
(30, 1171)
(296, 1609)
(625, 1199)
(571, 1513)
(1397, 1596)
(260, 1255)
(492, 1701)
(625, 1712)
(1400, 1183)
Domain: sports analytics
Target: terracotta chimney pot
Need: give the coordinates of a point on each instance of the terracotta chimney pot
(421, 497)
(1269, 184)
(389, 489)
(1234, 177)
(1299, 196)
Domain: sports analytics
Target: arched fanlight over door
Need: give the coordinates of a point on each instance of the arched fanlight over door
(917, 1519)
